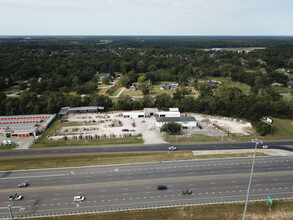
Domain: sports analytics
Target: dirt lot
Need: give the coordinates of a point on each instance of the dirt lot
(93, 126)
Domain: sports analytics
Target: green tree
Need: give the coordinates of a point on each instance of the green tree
(171, 128)
(106, 80)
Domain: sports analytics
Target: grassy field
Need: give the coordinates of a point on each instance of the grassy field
(7, 147)
(193, 138)
(131, 92)
(282, 128)
(157, 90)
(106, 141)
(227, 81)
(105, 159)
(10, 91)
(281, 210)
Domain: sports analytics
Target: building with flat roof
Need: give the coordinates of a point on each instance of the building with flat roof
(25, 125)
(183, 121)
(82, 109)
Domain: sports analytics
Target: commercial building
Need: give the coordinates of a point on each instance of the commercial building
(188, 122)
(148, 112)
(79, 110)
(25, 125)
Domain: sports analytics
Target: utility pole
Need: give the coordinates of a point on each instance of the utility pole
(10, 205)
(256, 141)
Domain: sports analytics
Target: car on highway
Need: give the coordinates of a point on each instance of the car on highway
(18, 197)
(186, 192)
(162, 187)
(22, 185)
(172, 148)
(265, 146)
(78, 198)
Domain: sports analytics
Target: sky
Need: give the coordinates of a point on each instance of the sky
(146, 17)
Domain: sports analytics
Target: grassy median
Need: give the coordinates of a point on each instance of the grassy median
(280, 210)
(105, 159)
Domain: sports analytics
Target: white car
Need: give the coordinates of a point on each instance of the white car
(265, 146)
(173, 148)
(78, 198)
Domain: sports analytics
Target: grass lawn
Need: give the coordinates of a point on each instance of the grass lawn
(102, 91)
(158, 91)
(10, 91)
(7, 147)
(117, 91)
(287, 96)
(106, 141)
(106, 159)
(282, 127)
(280, 210)
(242, 86)
(193, 138)
(132, 92)
(281, 89)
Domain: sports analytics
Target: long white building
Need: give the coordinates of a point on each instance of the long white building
(188, 122)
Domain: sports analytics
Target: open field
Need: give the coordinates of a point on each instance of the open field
(280, 210)
(10, 91)
(282, 127)
(7, 147)
(192, 138)
(227, 81)
(105, 159)
(106, 141)
(131, 92)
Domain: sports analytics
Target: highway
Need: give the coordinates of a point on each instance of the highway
(284, 145)
(130, 186)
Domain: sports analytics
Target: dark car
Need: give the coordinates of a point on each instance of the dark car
(162, 187)
(125, 130)
(186, 192)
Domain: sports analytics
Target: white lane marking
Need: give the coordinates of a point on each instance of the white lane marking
(12, 207)
(28, 177)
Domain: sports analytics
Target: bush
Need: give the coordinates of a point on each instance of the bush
(111, 90)
(171, 127)
(262, 128)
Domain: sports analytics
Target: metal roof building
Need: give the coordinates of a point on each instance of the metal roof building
(82, 109)
(183, 121)
(24, 125)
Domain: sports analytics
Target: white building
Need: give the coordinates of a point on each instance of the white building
(189, 122)
(133, 115)
(167, 114)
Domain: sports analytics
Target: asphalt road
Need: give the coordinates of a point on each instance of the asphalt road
(284, 145)
(128, 186)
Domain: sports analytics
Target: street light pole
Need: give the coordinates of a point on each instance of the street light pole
(256, 141)
(10, 211)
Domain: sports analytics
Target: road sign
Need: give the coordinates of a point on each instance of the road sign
(270, 200)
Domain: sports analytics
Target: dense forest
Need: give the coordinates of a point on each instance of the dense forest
(53, 72)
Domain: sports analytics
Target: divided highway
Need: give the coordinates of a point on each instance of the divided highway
(51, 191)
(284, 145)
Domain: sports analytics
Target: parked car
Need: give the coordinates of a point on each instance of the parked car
(173, 148)
(186, 192)
(162, 187)
(18, 197)
(78, 198)
(22, 185)
(125, 129)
